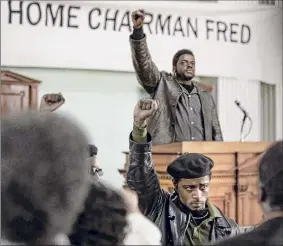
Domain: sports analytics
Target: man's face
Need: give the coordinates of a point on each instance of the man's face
(185, 68)
(193, 193)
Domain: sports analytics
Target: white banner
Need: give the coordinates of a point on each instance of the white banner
(95, 35)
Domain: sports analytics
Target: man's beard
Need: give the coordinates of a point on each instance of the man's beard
(195, 212)
(184, 77)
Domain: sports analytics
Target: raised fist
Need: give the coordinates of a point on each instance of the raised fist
(138, 18)
(51, 102)
(143, 110)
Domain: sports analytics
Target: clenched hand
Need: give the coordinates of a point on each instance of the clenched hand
(51, 102)
(144, 109)
(138, 18)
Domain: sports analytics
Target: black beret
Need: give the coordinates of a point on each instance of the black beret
(92, 150)
(190, 166)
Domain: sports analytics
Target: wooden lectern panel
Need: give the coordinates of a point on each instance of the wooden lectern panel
(234, 175)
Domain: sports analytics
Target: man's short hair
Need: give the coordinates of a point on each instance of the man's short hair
(271, 174)
(179, 54)
(44, 175)
(103, 220)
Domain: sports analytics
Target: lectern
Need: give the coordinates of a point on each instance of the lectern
(234, 176)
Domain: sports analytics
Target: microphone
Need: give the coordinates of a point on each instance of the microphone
(241, 108)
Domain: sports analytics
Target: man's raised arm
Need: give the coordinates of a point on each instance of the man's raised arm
(147, 73)
(141, 176)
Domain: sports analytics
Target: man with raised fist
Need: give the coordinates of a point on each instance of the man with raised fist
(187, 216)
(186, 112)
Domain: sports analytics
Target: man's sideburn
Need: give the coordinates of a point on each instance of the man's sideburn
(193, 193)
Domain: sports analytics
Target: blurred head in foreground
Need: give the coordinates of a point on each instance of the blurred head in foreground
(103, 220)
(44, 176)
(111, 217)
(271, 179)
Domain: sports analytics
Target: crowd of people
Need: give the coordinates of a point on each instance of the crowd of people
(50, 188)
(51, 192)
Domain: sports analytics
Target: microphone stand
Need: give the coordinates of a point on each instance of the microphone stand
(242, 139)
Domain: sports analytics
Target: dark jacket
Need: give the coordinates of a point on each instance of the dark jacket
(158, 205)
(268, 233)
(163, 86)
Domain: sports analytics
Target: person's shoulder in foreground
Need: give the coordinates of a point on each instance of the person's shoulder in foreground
(270, 193)
(268, 233)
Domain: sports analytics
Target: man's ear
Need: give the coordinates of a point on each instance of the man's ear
(174, 69)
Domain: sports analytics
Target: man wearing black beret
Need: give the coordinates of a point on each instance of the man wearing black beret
(186, 217)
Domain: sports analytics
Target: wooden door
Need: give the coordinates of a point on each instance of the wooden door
(18, 92)
(14, 98)
(206, 87)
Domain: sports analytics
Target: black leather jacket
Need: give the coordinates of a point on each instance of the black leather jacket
(158, 205)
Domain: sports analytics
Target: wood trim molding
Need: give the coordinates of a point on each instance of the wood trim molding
(168, 177)
(8, 77)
